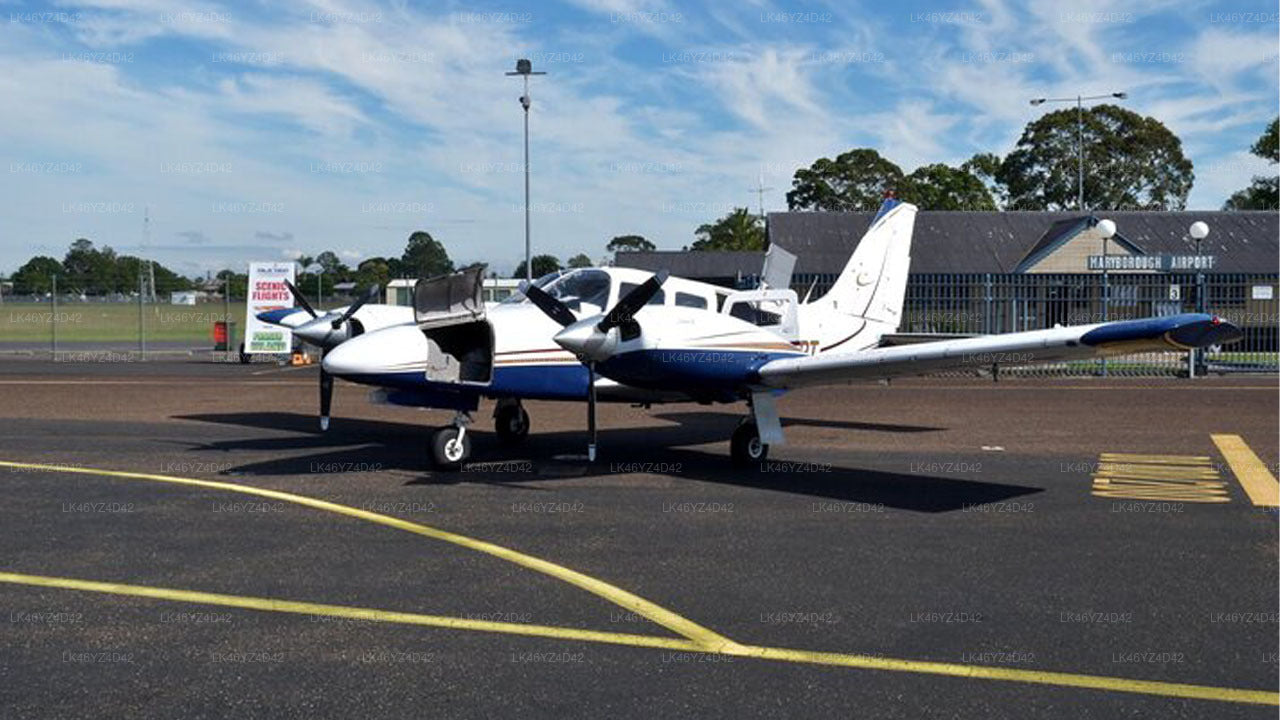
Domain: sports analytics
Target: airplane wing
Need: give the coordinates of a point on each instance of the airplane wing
(1174, 332)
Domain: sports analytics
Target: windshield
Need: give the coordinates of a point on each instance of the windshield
(584, 291)
(518, 295)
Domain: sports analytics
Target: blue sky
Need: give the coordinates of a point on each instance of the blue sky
(250, 131)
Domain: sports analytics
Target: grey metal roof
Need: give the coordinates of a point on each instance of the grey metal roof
(981, 242)
(702, 264)
(959, 241)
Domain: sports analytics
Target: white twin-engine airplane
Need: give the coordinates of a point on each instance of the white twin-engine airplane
(625, 335)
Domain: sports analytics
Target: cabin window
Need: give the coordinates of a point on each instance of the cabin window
(690, 300)
(659, 297)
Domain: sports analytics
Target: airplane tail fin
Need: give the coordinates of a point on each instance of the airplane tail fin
(867, 298)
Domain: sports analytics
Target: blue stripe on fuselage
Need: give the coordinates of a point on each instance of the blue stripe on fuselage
(710, 374)
(697, 372)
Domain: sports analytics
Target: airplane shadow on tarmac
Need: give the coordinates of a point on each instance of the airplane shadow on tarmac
(374, 445)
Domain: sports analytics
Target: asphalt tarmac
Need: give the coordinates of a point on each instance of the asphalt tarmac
(931, 548)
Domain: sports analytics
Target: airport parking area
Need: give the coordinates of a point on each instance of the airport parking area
(179, 538)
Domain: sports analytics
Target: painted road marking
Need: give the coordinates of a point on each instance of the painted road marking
(1254, 477)
(760, 652)
(697, 639)
(1170, 478)
(615, 595)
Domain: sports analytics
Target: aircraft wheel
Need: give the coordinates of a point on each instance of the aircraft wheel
(511, 423)
(745, 447)
(448, 451)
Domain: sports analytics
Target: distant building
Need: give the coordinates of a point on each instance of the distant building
(400, 291)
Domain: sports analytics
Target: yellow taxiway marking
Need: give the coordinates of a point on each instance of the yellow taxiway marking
(1172, 478)
(613, 594)
(1254, 477)
(760, 652)
(1180, 460)
(696, 638)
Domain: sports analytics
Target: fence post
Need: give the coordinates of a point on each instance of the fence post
(53, 321)
(986, 320)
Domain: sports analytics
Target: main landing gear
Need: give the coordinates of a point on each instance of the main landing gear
(451, 446)
(745, 447)
(510, 421)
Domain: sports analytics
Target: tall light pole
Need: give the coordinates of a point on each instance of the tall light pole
(525, 68)
(1079, 101)
(1107, 229)
(1198, 232)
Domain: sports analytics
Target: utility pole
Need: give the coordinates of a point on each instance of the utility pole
(525, 68)
(1079, 101)
(760, 190)
(53, 320)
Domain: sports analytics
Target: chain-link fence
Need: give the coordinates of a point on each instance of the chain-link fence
(988, 303)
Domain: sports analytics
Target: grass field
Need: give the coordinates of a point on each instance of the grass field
(114, 322)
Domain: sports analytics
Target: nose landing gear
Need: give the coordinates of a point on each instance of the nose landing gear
(451, 446)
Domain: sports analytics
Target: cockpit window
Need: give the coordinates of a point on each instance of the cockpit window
(542, 282)
(578, 288)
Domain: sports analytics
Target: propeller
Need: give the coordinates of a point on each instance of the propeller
(299, 298)
(590, 339)
(359, 303)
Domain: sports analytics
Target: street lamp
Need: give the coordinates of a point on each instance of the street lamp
(524, 68)
(1079, 101)
(1107, 229)
(1198, 231)
(318, 269)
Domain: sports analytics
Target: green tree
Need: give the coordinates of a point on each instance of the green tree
(986, 167)
(89, 270)
(373, 271)
(1130, 162)
(424, 257)
(942, 187)
(36, 276)
(332, 264)
(739, 230)
(542, 264)
(581, 260)
(239, 283)
(855, 180)
(1264, 192)
(629, 243)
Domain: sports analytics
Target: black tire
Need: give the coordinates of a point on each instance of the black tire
(511, 422)
(745, 448)
(446, 454)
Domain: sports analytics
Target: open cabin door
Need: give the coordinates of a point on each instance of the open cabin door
(449, 310)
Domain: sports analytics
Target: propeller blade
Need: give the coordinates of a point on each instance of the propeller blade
(359, 303)
(299, 298)
(630, 304)
(552, 307)
(326, 396)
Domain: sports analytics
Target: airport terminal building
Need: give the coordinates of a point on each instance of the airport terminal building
(993, 272)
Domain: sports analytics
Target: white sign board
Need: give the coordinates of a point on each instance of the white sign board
(1263, 292)
(267, 291)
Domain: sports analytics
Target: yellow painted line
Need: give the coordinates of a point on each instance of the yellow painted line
(1156, 472)
(1257, 481)
(1157, 459)
(1036, 677)
(612, 593)
(808, 657)
(356, 613)
(704, 641)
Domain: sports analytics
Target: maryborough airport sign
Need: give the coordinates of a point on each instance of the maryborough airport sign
(1157, 263)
